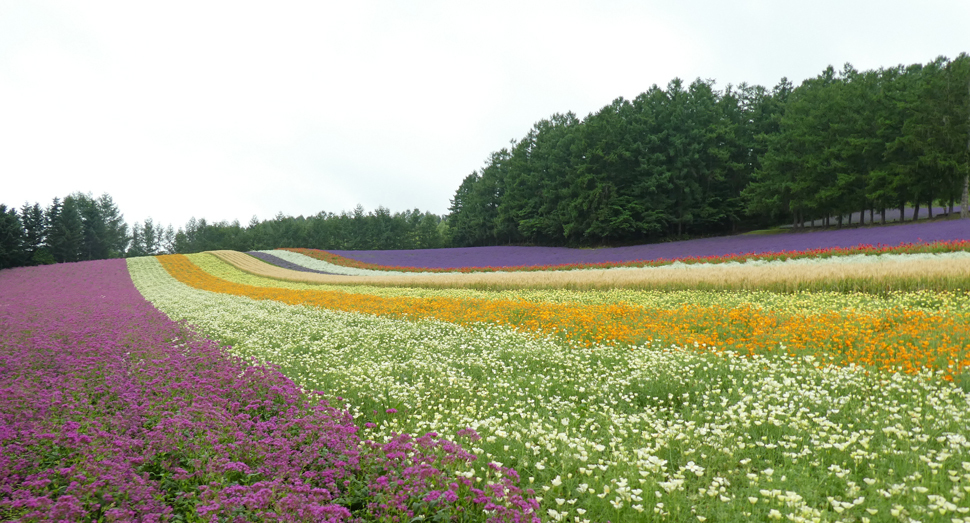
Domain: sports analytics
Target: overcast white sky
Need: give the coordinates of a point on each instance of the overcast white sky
(226, 110)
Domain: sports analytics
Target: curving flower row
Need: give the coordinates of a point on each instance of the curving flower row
(893, 340)
(820, 253)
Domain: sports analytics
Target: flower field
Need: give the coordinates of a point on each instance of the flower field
(886, 340)
(811, 244)
(110, 411)
(878, 273)
(613, 429)
(334, 392)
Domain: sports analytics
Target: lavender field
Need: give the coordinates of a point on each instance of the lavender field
(720, 246)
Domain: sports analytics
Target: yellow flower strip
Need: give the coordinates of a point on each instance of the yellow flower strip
(893, 341)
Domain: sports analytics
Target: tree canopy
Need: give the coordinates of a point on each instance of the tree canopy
(694, 160)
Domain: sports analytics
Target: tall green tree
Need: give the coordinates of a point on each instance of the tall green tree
(35, 233)
(95, 244)
(886, 187)
(903, 147)
(115, 231)
(941, 128)
(773, 157)
(12, 252)
(734, 136)
(65, 230)
(602, 205)
(147, 239)
(959, 76)
(474, 209)
(532, 207)
(467, 222)
(652, 186)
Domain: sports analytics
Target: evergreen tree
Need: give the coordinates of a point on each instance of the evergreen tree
(886, 187)
(65, 230)
(602, 207)
(772, 159)
(465, 224)
(474, 209)
(35, 233)
(958, 85)
(12, 252)
(536, 181)
(115, 231)
(147, 239)
(94, 230)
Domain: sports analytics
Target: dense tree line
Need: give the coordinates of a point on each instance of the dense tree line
(694, 160)
(81, 227)
(357, 230)
(77, 228)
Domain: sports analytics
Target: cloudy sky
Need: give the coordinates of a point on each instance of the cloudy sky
(226, 110)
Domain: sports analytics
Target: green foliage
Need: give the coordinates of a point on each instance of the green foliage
(12, 251)
(671, 162)
(77, 228)
(379, 229)
(691, 160)
(82, 228)
(852, 141)
(149, 239)
(475, 217)
(35, 229)
(64, 230)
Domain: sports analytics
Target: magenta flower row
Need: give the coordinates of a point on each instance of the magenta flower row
(109, 411)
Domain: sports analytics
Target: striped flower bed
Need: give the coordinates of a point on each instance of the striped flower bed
(426, 262)
(889, 340)
(610, 431)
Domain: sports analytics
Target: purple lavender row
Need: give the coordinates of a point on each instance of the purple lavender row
(280, 262)
(109, 411)
(721, 246)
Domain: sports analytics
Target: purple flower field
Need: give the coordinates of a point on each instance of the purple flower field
(721, 246)
(109, 411)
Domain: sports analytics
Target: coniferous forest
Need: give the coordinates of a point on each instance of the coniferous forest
(696, 160)
(681, 161)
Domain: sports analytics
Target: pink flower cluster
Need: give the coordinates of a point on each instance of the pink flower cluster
(109, 411)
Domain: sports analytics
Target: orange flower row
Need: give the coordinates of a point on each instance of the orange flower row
(897, 340)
